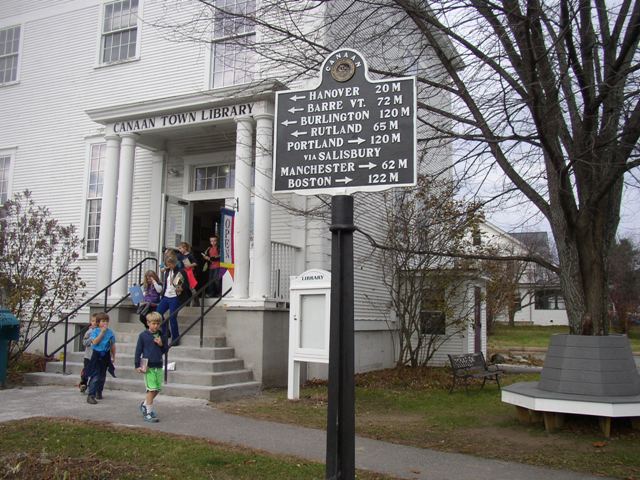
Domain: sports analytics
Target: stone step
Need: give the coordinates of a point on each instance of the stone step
(211, 393)
(180, 375)
(204, 353)
(189, 340)
(188, 363)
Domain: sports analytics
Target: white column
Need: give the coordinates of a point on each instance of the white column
(108, 212)
(262, 207)
(123, 217)
(242, 192)
(155, 202)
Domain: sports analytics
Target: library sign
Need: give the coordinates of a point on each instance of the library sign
(349, 134)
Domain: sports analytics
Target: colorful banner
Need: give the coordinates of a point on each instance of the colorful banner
(226, 239)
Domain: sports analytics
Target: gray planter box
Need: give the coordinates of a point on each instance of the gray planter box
(590, 365)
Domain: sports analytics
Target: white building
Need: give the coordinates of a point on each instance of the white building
(124, 128)
(539, 298)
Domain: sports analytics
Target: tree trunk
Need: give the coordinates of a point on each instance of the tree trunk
(583, 253)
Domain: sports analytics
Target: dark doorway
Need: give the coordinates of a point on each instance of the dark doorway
(206, 221)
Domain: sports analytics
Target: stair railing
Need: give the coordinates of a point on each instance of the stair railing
(73, 312)
(200, 294)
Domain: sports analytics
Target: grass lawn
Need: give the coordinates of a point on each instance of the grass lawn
(504, 336)
(414, 408)
(69, 449)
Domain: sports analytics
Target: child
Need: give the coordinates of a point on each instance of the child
(213, 257)
(104, 354)
(152, 288)
(187, 263)
(172, 288)
(88, 351)
(151, 346)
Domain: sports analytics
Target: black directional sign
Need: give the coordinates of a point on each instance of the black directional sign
(349, 134)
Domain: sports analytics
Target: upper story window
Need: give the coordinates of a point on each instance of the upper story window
(6, 162)
(94, 197)
(119, 31)
(9, 54)
(214, 177)
(234, 33)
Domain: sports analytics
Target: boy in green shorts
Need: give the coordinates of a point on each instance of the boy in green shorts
(148, 360)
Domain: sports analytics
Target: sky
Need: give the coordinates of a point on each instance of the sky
(526, 218)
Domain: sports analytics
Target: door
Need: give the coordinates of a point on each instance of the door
(176, 219)
(477, 319)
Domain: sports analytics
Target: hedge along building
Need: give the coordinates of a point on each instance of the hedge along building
(141, 139)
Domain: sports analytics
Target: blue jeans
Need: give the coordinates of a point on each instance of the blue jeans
(171, 304)
(98, 372)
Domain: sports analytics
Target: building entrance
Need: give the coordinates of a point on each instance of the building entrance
(205, 222)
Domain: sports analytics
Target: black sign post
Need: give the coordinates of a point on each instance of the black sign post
(349, 134)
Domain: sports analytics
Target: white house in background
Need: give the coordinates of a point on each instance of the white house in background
(540, 298)
(140, 140)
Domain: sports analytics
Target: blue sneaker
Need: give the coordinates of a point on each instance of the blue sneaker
(153, 414)
(143, 409)
(149, 418)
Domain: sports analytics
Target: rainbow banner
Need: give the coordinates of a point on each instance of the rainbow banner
(226, 239)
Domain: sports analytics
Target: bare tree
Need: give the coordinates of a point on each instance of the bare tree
(544, 93)
(39, 276)
(431, 295)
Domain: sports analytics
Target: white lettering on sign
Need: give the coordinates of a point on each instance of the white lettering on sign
(335, 118)
(334, 93)
(300, 170)
(349, 133)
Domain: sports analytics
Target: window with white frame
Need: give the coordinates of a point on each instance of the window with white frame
(94, 197)
(9, 54)
(234, 33)
(119, 31)
(214, 177)
(6, 159)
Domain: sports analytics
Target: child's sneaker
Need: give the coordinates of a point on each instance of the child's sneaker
(149, 418)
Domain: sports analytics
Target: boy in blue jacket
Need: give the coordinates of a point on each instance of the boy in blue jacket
(103, 342)
(152, 344)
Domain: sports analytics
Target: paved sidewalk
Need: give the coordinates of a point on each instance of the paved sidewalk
(196, 418)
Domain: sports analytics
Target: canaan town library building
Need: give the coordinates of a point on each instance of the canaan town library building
(140, 140)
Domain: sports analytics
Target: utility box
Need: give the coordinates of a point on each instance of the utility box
(9, 331)
(309, 314)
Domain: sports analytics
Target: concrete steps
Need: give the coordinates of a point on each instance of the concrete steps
(209, 372)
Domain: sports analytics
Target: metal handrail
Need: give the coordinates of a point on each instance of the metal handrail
(198, 294)
(107, 309)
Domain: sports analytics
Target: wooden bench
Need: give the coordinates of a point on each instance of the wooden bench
(473, 365)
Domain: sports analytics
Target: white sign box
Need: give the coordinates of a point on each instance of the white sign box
(310, 300)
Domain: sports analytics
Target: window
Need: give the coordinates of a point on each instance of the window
(94, 197)
(9, 53)
(549, 300)
(214, 177)
(432, 317)
(5, 175)
(119, 31)
(233, 58)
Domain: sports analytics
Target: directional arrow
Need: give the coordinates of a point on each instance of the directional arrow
(295, 98)
(297, 133)
(294, 110)
(357, 140)
(369, 165)
(286, 123)
(344, 180)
